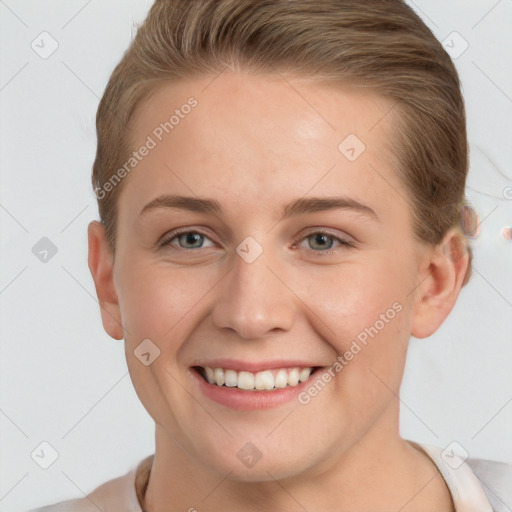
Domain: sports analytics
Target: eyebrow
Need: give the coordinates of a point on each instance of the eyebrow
(298, 207)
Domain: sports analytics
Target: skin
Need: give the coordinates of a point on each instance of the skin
(255, 144)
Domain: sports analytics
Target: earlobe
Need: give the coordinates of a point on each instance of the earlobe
(101, 266)
(441, 277)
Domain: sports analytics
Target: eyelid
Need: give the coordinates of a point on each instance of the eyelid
(165, 240)
(324, 231)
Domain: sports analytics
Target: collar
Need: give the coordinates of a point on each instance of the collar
(465, 488)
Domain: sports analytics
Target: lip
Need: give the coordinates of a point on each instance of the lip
(246, 400)
(254, 367)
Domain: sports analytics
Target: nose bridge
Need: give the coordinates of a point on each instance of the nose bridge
(254, 301)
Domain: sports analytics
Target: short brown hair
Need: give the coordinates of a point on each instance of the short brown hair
(381, 45)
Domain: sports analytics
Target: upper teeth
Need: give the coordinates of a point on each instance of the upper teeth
(264, 380)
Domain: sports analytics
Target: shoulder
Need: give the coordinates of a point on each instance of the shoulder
(473, 481)
(116, 495)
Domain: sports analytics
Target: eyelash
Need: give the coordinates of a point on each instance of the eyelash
(344, 244)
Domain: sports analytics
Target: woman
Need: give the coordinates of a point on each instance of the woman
(279, 186)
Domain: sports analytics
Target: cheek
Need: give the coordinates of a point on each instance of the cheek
(352, 297)
(157, 300)
(162, 305)
(366, 309)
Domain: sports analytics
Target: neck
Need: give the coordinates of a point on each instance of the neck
(380, 472)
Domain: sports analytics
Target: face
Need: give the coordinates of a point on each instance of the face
(258, 246)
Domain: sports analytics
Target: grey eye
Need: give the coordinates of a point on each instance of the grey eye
(191, 240)
(320, 241)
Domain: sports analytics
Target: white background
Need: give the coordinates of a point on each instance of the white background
(64, 381)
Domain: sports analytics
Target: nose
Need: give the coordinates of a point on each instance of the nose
(253, 300)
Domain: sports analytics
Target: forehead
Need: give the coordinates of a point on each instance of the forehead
(261, 136)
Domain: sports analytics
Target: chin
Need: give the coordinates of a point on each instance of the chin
(252, 464)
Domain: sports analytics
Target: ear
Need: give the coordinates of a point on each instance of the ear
(442, 274)
(101, 265)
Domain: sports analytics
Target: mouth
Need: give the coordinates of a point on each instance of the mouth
(264, 380)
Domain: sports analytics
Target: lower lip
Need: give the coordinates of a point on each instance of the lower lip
(243, 400)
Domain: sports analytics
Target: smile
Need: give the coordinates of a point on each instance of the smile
(266, 380)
